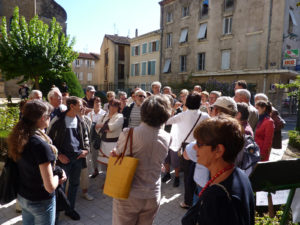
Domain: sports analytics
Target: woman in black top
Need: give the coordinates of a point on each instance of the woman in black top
(31, 148)
(227, 198)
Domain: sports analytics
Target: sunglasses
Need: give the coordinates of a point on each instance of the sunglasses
(142, 96)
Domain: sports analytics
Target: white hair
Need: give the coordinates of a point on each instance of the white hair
(33, 93)
(216, 93)
(261, 96)
(52, 93)
(120, 93)
(140, 91)
(244, 92)
(156, 83)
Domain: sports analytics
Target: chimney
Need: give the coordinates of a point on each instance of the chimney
(136, 32)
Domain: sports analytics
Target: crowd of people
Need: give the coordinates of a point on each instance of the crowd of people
(199, 133)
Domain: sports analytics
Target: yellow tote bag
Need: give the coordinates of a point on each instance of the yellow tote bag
(120, 173)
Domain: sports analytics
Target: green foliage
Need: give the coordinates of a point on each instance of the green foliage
(9, 116)
(71, 80)
(34, 50)
(294, 90)
(294, 139)
(266, 220)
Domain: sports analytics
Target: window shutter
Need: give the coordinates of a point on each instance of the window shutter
(183, 36)
(149, 67)
(153, 68)
(293, 17)
(157, 45)
(132, 69)
(167, 66)
(150, 46)
(225, 60)
(132, 51)
(202, 31)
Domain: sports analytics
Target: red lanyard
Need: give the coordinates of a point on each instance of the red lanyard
(219, 173)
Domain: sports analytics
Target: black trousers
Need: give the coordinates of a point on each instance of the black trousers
(188, 168)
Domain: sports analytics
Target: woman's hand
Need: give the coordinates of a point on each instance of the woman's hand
(63, 178)
(113, 153)
(83, 154)
(99, 125)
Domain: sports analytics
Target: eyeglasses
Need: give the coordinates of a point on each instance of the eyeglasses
(142, 96)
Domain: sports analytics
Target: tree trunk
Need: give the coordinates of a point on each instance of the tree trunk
(298, 115)
(36, 83)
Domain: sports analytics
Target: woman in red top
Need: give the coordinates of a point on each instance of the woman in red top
(265, 129)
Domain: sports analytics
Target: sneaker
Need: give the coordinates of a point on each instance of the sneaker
(184, 206)
(73, 215)
(166, 177)
(95, 174)
(176, 182)
(87, 196)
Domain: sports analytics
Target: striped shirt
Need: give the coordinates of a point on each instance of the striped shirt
(135, 116)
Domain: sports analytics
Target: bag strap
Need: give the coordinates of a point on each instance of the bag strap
(192, 128)
(121, 156)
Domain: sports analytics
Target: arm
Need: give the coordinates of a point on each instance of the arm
(117, 123)
(176, 119)
(50, 182)
(268, 137)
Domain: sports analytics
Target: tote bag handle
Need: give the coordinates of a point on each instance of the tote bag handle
(121, 156)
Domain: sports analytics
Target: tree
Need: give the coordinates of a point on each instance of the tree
(294, 91)
(71, 80)
(34, 50)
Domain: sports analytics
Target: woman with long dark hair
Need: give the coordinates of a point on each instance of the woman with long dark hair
(31, 148)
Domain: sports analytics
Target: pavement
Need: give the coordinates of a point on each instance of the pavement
(99, 211)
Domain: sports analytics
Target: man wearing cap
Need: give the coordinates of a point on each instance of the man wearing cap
(89, 98)
(224, 105)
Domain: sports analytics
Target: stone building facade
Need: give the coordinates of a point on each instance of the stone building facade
(87, 69)
(114, 63)
(228, 40)
(45, 9)
(144, 60)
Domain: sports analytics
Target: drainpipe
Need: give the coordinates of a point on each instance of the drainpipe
(268, 45)
(161, 40)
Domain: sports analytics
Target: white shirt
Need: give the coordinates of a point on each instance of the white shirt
(201, 174)
(95, 116)
(182, 124)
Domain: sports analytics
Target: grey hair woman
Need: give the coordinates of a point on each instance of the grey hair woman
(150, 146)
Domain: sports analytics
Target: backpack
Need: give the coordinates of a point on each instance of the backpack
(249, 156)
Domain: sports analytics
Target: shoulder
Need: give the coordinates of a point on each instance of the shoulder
(204, 116)
(37, 143)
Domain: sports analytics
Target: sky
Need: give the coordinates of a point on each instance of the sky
(89, 20)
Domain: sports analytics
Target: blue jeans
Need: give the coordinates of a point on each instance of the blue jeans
(196, 194)
(73, 170)
(38, 212)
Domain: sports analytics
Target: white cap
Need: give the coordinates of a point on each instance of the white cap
(226, 103)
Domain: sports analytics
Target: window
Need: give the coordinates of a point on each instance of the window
(183, 63)
(169, 40)
(106, 58)
(202, 34)
(80, 76)
(121, 53)
(135, 50)
(77, 75)
(151, 67)
(228, 4)
(292, 21)
(227, 25)
(93, 64)
(185, 11)
(144, 66)
(77, 63)
(105, 74)
(183, 36)
(201, 61)
(167, 67)
(204, 9)
(154, 46)
(137, 69)
(87, 62)
(90, 77)
(144, 48)
(169, 17)
(225, 60)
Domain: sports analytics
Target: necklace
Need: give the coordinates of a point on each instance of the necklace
(219, 173)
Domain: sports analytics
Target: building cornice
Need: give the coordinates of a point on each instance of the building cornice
(244, 73)
(165, 2)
